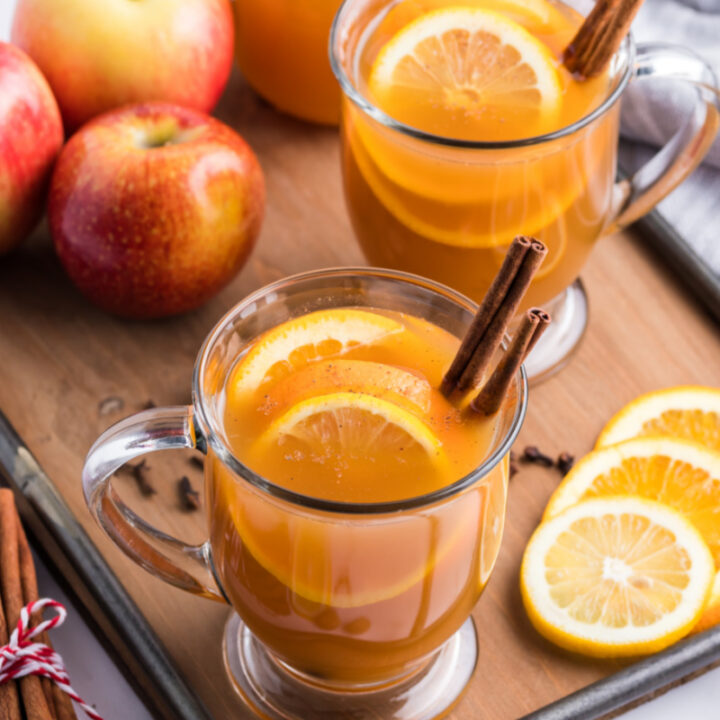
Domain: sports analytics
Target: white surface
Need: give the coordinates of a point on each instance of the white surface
(98, 681)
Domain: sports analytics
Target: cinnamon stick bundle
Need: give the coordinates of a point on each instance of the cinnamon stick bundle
(599, 37)
(39, 698)
(494, 315)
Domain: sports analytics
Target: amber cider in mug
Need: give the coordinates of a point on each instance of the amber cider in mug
(363, 424)
(437, 202)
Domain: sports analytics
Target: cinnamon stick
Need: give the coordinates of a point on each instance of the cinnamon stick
(61, 707)
(544, 320)
(33, 697)
(487, 311)
(599, 37)
(28, 580)
(9, 696)
(489, 399)
(494, 334)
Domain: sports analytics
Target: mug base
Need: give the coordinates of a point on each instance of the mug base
(273, 692)
(569, 312)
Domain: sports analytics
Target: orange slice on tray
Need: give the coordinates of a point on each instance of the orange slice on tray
(680, 473)
(617, 576)
(690, 412)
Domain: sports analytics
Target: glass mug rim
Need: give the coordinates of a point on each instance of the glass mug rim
(212, 435)
(625, 55)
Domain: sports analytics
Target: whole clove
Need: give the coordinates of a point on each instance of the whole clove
(532, 454)
(189, 497)
(139, 473)
(110, 405)
(565, 462)
(149, 405)
(514, 469)
(197, 461)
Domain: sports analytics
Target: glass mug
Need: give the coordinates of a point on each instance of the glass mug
(400, 644)
(448, 209)
(281, 47)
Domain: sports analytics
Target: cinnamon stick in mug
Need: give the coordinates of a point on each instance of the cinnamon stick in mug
(489, 399)
(494, 315)
(487, 311)
(599, 37)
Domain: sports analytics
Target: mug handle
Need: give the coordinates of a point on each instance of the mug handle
(637, 195)
(188, 567)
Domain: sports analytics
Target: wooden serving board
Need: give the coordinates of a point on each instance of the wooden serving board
(60, 357)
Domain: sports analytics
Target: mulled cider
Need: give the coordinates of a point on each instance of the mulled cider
(342, 406)
(448, 148)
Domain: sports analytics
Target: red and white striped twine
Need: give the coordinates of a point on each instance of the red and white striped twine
(21, 656)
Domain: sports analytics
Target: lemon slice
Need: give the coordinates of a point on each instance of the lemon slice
(293, 344)
(347, 423)
(467, 73)
(399, 386)
(680, 473)
(689, 412)
(711, 614)
(616, 577)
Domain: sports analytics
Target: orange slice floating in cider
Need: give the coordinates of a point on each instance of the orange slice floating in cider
(467, 73)
(293, 344)
(388, 382)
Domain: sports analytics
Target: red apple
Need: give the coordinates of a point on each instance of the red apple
(153, 208)
(31, 135)
(100, 54)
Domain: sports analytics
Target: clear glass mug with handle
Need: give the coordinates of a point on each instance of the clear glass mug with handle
(448, 209)
(338, 607)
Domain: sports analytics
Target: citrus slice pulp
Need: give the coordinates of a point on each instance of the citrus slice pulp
(616, 576)
(690, 412)
(680, 473)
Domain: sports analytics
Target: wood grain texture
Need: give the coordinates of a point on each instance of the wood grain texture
(61, 357)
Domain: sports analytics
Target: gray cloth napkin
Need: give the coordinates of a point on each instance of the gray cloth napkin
(651, 112)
